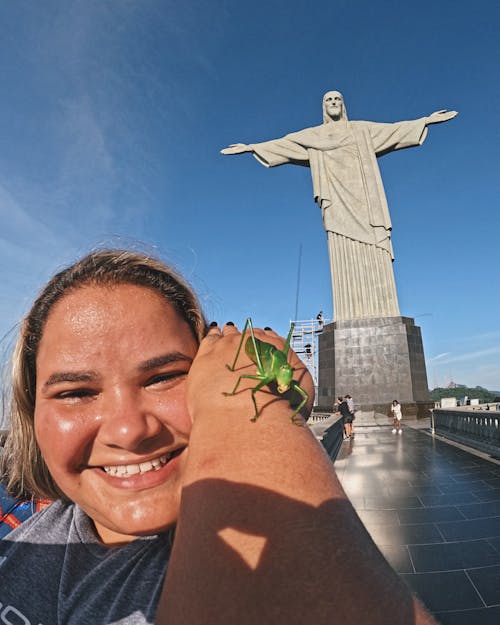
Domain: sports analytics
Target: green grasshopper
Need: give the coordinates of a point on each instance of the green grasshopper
(272, 366)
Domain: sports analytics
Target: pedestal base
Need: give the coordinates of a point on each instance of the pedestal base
(375, 360)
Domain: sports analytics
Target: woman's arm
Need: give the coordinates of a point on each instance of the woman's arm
(265, 532)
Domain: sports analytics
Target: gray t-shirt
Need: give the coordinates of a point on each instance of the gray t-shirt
(54, 571)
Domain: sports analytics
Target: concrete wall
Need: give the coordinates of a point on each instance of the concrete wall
(375, 360)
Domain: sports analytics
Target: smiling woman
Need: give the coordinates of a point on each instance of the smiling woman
(110, 411)
(120, 415)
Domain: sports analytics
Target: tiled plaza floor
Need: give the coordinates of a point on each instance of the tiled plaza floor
(434, 511)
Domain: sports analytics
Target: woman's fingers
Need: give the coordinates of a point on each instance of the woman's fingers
(229, 328)
(212, 335)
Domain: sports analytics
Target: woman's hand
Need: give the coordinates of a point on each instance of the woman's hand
(209, 378)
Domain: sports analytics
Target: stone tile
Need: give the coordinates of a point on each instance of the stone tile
(424, 481)
(480, 510)
(430, 515)
(451, 556)
(471, 529)
(358, 502)
(422, 533)
(461, 487)
(444, 591)
(391, 503)
(398, 557)
(473, 475)
(495, 542)
(449, 500)
(491, 495)
(487, 582)
(414, 490)
(378, 517)
(481, 616)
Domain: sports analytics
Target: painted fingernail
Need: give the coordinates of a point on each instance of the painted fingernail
(229, 323)
(268, 328)
(213, 324)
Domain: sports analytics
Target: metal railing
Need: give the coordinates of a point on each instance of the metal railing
(477, 428)
(332, 439)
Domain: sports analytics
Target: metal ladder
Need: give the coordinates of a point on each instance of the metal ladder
(305, 344)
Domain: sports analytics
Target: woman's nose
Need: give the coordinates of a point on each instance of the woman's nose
(128, 422)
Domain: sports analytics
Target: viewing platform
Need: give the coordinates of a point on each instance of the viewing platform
(433, 509)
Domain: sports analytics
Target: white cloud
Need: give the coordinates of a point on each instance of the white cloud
(439, 357)
(448, 358)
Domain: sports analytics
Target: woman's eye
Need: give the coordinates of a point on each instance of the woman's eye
(76, 393)
(165, 378)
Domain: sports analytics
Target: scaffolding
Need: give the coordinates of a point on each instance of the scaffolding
(305, 344)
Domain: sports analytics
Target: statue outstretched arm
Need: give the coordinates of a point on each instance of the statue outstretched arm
(274, 152)
(440, 116)
(237, 148)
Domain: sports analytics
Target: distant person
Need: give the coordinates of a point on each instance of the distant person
(336, 410)
(336, 405)
(320, 319)
(346, 418)
(350, 405)
(397, 416)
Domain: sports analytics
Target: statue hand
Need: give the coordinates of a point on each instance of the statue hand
(236, 148)
(441, 116)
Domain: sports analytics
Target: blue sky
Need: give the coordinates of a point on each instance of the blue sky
(113, 113)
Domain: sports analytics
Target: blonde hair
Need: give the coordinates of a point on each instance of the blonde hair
(23, 468)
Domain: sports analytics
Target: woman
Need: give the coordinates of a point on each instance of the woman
(397, 416)
(119, 415)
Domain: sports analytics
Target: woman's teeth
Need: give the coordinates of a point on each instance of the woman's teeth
(125, 470)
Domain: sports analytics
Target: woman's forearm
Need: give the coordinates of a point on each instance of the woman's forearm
(265, 532)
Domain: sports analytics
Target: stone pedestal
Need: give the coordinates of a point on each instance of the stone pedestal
(375, 360)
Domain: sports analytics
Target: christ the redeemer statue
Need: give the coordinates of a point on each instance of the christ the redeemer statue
(348, 188)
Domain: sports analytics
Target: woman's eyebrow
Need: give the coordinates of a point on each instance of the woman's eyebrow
(92, 376)
(70, 376)
(164, 359)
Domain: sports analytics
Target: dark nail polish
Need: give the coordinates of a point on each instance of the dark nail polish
(229, 323)
(268, 328)
(213, 324)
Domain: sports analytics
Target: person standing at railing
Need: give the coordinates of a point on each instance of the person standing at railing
(343, 408)
(350, 405)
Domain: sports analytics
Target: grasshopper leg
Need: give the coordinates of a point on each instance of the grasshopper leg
(305, 397)
(250, 377)
(248, 323)
(262, 383)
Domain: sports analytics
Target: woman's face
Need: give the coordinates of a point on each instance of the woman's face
(110, 416)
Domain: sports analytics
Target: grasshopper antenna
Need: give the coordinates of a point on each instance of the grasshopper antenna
(286, 349)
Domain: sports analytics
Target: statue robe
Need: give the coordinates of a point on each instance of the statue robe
(348, 187)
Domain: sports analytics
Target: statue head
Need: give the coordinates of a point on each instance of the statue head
(333, 107)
